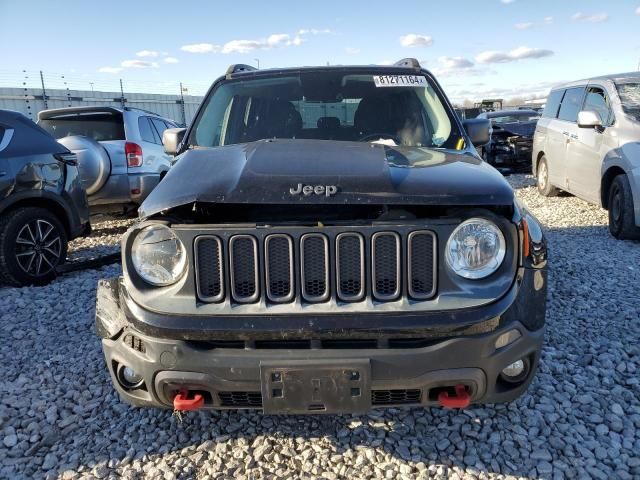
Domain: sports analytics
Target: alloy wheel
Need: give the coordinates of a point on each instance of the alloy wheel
(38, 247)
(542, 175)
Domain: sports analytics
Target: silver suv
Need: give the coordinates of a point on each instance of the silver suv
(588, 143)
(120, 153)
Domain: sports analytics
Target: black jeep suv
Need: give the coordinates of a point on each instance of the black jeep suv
(42, 202)
(328, 241)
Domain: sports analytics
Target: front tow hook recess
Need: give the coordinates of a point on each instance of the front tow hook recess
(182, 402)
(461, 399)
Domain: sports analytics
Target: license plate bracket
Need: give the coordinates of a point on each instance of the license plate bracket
(312, 386)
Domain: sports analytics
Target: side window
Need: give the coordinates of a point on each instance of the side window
(597, 101)
(553, 104)
(160, 127)
(145, 130)
(571, 104)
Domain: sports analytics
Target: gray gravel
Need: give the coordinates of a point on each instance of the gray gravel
(59, 416)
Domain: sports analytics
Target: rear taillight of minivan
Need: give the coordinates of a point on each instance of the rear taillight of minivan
(133, 152)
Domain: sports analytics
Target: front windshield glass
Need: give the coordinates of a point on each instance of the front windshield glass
(522, 118)
(630, 98)
(327, 105)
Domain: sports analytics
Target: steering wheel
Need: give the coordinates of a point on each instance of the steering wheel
(375, 136)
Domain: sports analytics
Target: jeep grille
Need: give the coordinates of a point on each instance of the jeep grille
(312, 267)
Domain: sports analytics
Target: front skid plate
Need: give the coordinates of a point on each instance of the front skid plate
(316, 386)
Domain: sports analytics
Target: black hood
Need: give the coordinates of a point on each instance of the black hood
(266, 170)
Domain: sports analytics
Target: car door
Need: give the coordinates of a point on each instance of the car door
(550, 140)
(164, 159)
(6, 175)
(588, 146)
(568, 128)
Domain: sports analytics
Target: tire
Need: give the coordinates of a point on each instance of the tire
(621, 215)
(33, 242)
(542, 175)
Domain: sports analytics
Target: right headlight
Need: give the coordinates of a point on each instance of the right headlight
(475, 249)
(158, 255)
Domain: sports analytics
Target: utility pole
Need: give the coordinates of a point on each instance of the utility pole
(44, 92)
(121, 94)
(258, 62)
(91, 83)
(184, 115)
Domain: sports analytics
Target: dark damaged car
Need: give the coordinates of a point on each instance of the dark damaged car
(511, 140)
(42, 202)
(328, 241)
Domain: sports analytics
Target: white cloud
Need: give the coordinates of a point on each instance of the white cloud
(593, 18)
(147, 53)
(455, 63)
(638, 11)
(523, 26)
(200, 48)
(171, 60)
(414, 40)
(138, 64)
(507, 2)
(276, 40)
(110, 69)
(454, 66)
(314, 31)
(519, 53)
(241, 46)
(352, 50)
(548, 20)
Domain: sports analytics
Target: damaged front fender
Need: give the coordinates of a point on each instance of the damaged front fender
(110, 319)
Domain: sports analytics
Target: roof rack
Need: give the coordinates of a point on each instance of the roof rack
(408, 62)
(240, 67)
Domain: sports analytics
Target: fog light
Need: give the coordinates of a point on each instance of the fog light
(130, 375)
(514, 370)
(129, 378)
(507, 338)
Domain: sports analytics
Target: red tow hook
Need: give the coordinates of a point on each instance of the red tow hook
(462, 399)
(183, 403)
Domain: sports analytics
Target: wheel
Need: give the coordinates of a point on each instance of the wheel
(544, 186)
(621, 216)
(33, 243)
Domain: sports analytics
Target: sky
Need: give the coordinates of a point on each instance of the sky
(476, 48)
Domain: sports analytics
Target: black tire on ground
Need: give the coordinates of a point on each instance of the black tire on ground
(33, 242)
(621, 215)
(544, 186)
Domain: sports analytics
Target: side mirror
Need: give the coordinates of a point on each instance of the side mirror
(589, 119)
(478, 130)
(171, 139)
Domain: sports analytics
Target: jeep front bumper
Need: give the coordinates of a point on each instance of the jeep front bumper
(293, 371)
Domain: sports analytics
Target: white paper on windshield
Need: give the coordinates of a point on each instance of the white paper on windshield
(399, 81)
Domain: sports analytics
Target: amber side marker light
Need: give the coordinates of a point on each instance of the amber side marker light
(525, 238)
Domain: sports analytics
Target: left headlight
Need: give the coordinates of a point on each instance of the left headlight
(158, 255)
(475, 249)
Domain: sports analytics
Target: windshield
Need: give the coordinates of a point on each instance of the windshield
(630, 97)
(525, 118)
(99, 126)
(327, 105)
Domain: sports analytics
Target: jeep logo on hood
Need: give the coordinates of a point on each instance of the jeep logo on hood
(307, 190)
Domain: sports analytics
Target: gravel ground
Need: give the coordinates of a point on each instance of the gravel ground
(60, 417)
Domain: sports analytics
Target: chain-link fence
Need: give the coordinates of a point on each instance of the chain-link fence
(29, 91)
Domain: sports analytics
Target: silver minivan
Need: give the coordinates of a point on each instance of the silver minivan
(588, 143)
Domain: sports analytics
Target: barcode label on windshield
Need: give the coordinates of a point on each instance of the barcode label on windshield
(399, 81)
